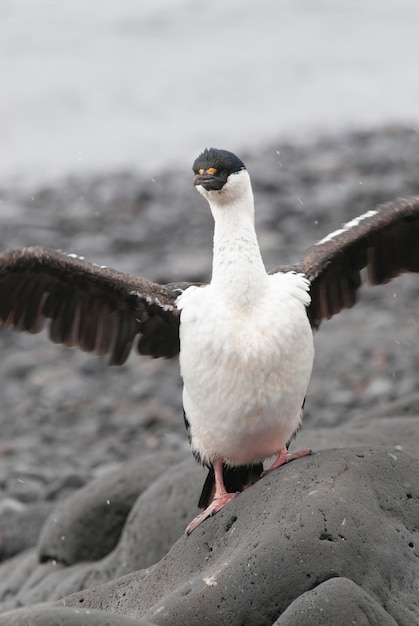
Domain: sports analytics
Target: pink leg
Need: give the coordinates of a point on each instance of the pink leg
(221, 497)
(285, 457)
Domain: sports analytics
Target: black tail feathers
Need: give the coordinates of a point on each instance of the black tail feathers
(235, 479)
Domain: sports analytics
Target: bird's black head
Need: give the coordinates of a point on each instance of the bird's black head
(213, 167)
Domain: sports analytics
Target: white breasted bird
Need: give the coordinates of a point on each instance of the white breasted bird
(245, 340)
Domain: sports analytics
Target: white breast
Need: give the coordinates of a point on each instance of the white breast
(245, 368)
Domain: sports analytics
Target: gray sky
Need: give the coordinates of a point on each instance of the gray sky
(105, 84)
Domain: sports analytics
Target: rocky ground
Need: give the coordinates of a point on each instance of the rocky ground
(67, 419)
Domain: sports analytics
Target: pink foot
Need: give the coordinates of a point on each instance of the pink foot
(285, 457)
(216, 505)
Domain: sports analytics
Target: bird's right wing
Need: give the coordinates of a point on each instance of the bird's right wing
(90, 307)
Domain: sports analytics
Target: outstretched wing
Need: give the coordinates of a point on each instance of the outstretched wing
(94, 308)
(384, 241)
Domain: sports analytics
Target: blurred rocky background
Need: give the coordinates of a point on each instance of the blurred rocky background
(104, 107)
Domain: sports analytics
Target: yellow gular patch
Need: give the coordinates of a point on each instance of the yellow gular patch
(212, 171)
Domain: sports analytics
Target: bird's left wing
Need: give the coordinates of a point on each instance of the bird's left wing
(384, 241)
(90, 307)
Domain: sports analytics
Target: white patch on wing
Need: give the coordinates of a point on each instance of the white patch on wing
(76, 256)
(347, 226)
(164, 307)
(150, 300)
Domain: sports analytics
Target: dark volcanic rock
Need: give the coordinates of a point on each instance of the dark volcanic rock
(303, 541)
(336, 601)
(87, 525)
(58, 616)
(20, 525)
(157, 519)
(349, 514)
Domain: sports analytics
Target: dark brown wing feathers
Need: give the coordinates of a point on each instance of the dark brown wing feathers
(385, 242)
(102, 311)
(96, 309)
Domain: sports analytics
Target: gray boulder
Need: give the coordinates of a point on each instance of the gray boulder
(348, 514)
(87, 525)
(336, 601)
(58, 616)
(157, 519)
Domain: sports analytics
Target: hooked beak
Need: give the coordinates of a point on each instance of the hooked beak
(210, 182)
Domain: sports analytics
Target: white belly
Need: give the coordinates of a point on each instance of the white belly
(245, 371)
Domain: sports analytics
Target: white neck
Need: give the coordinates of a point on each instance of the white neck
(238, 269)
